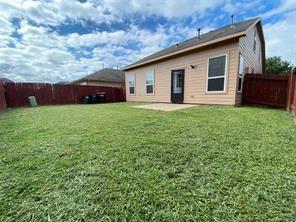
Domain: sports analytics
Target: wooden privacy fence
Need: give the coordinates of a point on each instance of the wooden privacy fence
(50, 94)
(2, 97)
(269, 90)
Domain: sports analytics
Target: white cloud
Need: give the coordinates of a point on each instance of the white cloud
(166, 8)
(6, 28)
(285, 6)
(76, 10)
(39, 36)
(241, 7)
(59, 57)
(280, 38)
(92, 39)
(54, 12)
(169, 9)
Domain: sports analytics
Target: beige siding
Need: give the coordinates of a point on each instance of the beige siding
(97, 83)
(252, 59)
(195, 79)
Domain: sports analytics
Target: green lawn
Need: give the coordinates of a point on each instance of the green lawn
(115, 162)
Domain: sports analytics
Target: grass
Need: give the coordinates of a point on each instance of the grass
(115, 162)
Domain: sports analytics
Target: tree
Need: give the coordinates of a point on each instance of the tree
(275, 65)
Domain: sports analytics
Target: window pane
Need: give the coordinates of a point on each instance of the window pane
(241, 64)
(131, 84)
(131, 90)
(150, 75)
(131, 80)
(149, 89)
(216, 84)
(149, 81)
(217, 66)
(178, 82)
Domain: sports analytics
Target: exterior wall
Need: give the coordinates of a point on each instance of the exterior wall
(195, 79)
(252, 59)
(97, 83)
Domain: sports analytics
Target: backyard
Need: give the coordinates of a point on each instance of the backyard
(116, 162)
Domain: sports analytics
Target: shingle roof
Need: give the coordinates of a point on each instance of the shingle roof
(207, 37)
(5, 80)
(106, 75)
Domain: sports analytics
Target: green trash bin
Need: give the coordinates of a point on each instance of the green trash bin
(32, 101)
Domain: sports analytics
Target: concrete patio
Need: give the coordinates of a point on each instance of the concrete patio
(165, 106)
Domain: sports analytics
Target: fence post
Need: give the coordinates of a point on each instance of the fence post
(244, 88)
(293, 96)
(3, 103)
(291, 88)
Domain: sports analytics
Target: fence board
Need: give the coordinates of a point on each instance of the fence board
(51, 94)
(2, 97)
(269, 90)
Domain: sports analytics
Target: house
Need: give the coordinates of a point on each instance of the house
(62, 83)
(5, 80)
(207, 69)
(105, 77)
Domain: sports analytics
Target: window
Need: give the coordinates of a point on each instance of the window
(131, 84)
(150, 82)
(255, 41)
(240, 73)
(216, 74)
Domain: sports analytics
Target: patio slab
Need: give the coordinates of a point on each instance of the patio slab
(165, 106)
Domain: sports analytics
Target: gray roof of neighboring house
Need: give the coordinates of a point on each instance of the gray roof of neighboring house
(209, 36)
(63, 83)
(105, 75)
(5, 80)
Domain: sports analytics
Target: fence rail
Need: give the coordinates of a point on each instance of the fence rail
(50, 94)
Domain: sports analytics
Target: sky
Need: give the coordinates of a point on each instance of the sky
(62, 40)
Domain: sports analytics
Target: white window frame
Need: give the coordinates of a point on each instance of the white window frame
(147, 72)
(128, 82)
(217, 77)
(240, 75)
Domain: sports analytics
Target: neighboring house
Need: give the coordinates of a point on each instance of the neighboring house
(206, 69)
(62, 83)
(5, 80)
(105, 77)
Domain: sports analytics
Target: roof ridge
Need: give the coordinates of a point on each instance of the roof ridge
(106, 74)
(218, 29)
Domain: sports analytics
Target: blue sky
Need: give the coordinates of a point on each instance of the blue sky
(62, 40)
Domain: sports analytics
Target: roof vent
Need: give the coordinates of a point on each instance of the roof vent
(198, 32)
(176, 46)
(232, 26)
